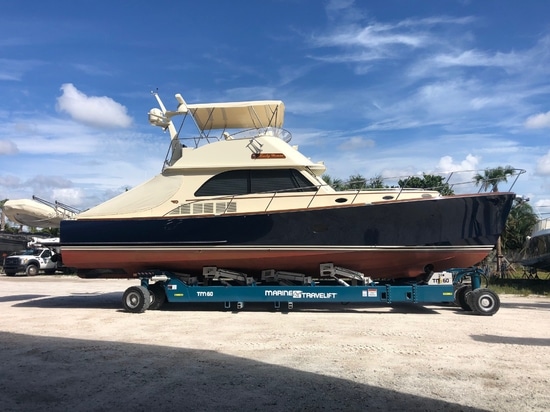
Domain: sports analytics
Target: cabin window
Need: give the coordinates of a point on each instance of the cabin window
(242, 182)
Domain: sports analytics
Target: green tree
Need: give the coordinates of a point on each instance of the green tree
(427, 181)
(355, 182)
(376, 182)
(519, 225)
(491, 177)
(336, 184)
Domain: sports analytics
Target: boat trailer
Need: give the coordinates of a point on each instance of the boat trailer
(335, 285)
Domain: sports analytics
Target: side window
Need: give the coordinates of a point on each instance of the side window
(234, 182)
(241, 182)
(46, 254)
(278, 180)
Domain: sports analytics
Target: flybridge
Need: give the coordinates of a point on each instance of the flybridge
(242, 120)
(261, 114)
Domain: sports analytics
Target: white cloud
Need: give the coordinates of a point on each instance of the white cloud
(14, 70)
(538, 121)
(45, 181)
(7, 147)
(375, 40)
(69, 196)
(542, 203)
(9, 181)
(92, 110)
(543, 164)
(447, 164)
(475, 58)
(356, 143)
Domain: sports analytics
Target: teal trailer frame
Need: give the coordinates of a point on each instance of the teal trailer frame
(461, 286)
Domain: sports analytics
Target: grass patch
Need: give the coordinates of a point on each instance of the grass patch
(523, 287)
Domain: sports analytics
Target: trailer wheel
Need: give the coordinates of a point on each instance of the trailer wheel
(158, 297)
(460, 297)
(136, 299)
(484, 302)
(31, 270)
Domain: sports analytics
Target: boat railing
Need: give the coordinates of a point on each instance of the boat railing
(350, 193)
(446, 183)
(174, 152)
(228, 134)
(279, 132)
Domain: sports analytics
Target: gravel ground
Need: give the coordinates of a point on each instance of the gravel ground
(66, 345)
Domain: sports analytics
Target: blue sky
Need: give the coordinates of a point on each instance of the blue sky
(370, 87)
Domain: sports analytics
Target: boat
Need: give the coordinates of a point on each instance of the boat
(12, 242)
(237, 195)
(37, 212)
(537, 247)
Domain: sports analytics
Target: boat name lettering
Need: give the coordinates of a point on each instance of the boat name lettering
(299, 294)
(205, 293)
(268, 156)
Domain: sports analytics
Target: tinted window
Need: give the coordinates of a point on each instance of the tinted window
(240, 182)
(234, 182)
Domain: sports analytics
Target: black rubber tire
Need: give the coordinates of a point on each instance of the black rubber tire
(136, 299)
(32, 270)
(10, 273)
(484, 302)
(158, 296)
(460, 297)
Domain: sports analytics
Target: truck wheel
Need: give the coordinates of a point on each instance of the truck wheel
(158, 297)
(10, 273)
(484, 302)
(460, 297)
(31, 270)
(136, 299)
(49, 271)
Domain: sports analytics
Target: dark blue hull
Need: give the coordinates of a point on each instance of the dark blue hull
(442, 229)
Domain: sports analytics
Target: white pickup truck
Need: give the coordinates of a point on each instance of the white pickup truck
(31, 262)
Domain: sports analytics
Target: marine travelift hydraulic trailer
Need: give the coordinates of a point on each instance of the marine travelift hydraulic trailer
(334, 284)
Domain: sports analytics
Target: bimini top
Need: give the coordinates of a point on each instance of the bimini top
(238, 115)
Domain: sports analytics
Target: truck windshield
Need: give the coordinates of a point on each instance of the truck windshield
(29, 252)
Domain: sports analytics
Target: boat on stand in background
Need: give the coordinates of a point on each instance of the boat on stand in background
(537, 248)
(247, 200)
(37, 212)
(12, 242)
(33, 213)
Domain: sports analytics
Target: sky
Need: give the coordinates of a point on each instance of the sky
(379, 87)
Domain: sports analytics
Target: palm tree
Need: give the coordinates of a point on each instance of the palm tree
(519, 225)
(336, 184)
(492, 177)
(427, 181)
(490, 180)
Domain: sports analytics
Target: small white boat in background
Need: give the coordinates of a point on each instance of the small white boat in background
(37, 212)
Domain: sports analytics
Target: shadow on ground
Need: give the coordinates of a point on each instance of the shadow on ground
(113, 300)
(523, 305)
(47, 373)
(512, 340)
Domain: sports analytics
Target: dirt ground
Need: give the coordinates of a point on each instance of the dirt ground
(66, 344)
